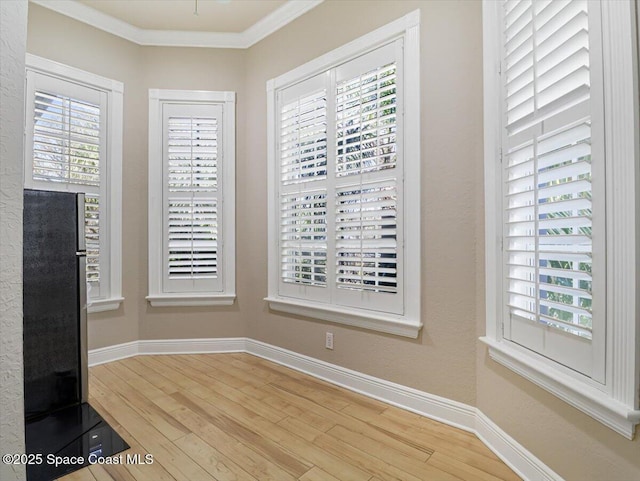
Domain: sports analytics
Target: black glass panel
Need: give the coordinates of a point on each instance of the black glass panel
(50, 302)
(73, 432)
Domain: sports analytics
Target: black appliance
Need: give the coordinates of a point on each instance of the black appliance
(58, 419)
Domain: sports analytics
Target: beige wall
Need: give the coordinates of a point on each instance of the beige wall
(446, 359)
(441, 361)
(70, 42)
(65, 40)
(570, 442)
(192, 69)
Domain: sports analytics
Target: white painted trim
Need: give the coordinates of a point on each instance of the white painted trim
(451, 412)
(155, 192)
(412, 160)
(115, 148)
(359, 46)
(177, 38)
(103, 355)
(114, 90)
(227, 293)
(273, 234)
(405, 320)
(588, 399)
(492, 171)
(172, 346)
(282, 16)
(615, 402)
(623, 187)
(374, 320)
(193, 346)
(513, 454)
(169, 95)
(170, 300)
(444, 410)
(101, 305)
(73, 74)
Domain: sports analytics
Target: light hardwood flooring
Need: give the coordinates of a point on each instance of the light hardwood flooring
(223, 417)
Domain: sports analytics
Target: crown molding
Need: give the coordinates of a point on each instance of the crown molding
(178, 38)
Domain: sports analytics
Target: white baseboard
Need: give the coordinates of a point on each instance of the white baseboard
(435, 407)
(166, 346)
(113, 353)
(447, 411)
(193, 346)
(514, 455)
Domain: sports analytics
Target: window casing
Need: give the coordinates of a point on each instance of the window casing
(561, 176)
(344, 164)
(191, 198)
(73, 143)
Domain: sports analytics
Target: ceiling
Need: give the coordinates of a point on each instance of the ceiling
(217, 24)
(213, 15)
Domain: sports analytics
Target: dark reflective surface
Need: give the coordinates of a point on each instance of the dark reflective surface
(51, 302)
(73, 432)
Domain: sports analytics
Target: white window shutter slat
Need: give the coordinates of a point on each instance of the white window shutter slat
(339, 189)
(92, 237)
(548, 171)
(303, 138)
(560, 189)
(366, 122)
(192, 197)
(366, 237)
(73, 143)
(67, 138)
(304, 238)
(192, 238)
(192, 154)
(303, 193)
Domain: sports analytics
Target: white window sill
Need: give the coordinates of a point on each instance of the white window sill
(102, 305)
(375, 321)
(590, 400)
(191, 300)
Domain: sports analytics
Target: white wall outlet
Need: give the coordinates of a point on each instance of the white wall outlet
(328, 342)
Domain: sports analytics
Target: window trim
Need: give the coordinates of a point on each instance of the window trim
(616, 402)
(115, 93)
(410, 323)
(157, 297)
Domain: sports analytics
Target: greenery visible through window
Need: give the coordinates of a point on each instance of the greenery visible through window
(66, 149)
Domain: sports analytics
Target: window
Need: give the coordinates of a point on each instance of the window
(559, 180)
(344, 164)
(74, 143)
(191, 198)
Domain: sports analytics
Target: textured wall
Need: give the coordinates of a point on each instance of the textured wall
(13, 33)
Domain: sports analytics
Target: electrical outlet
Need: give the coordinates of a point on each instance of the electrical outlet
(328, 342)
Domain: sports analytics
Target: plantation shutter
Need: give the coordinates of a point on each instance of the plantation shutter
(192, 140)
(302, 119)
(340, 185)
(366, 232)
(368, 166)
(553, 171)
(65, 151)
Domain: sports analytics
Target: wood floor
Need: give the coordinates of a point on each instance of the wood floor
(238, 417)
